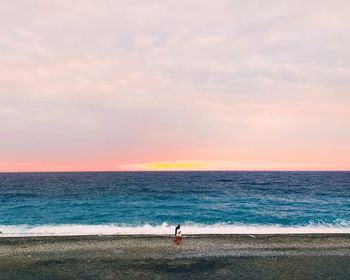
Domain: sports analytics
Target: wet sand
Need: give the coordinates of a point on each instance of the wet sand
(308, 256)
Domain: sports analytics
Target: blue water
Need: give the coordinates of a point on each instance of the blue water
(155, 198)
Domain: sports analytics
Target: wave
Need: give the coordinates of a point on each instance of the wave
(166, 229)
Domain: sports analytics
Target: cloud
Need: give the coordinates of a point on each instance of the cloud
(124, 82)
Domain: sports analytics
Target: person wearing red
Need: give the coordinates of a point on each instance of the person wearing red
(178, 236)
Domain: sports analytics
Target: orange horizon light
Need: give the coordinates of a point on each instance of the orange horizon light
(175, 165)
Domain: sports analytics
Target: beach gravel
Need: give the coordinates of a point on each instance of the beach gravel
(308, 256)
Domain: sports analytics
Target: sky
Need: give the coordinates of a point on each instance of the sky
(174, 85)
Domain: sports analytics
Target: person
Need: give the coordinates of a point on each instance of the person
(178, 236)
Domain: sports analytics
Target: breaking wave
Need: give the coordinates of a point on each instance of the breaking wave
(167, 229)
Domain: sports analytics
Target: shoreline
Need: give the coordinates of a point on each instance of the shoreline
(298, 256)
(146, 235)
(165, 229)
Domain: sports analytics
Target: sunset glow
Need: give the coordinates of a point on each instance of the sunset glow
(175, 165)
(174, 85)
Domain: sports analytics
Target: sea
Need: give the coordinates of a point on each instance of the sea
(78, 203)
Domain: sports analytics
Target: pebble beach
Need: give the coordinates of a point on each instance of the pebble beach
(307, 256)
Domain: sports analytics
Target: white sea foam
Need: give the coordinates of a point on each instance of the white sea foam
(164, 229)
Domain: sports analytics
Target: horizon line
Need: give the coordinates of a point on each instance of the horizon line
(160, 171)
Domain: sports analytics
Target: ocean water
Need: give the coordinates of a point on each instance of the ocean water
(154, 202)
